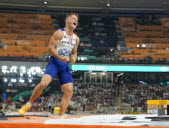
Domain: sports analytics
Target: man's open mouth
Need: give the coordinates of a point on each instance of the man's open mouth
(75, 24)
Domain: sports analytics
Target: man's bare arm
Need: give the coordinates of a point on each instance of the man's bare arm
(54, 41)
(74, 51)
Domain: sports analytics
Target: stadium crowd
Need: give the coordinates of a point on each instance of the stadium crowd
(88, 97)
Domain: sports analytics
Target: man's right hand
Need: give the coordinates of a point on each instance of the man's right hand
(64, 59)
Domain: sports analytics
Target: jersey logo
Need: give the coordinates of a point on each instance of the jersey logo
(67, 42)
(64, 52)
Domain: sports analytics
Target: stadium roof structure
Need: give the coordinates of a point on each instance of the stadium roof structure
(90, 5)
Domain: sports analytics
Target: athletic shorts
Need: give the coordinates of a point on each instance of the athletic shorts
(59, 68)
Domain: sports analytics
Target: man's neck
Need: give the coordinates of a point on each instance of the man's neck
(68, 31)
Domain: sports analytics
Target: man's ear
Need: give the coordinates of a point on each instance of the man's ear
(66, 20)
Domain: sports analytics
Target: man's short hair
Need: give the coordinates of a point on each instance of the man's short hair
(70, 14)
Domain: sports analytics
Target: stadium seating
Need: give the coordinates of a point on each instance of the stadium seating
(143, 36)
(145, 40)
(25, 35)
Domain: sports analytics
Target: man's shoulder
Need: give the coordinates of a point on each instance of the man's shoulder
(58, 33)
(77, 39)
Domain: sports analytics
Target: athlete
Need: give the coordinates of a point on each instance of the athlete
(63, 48)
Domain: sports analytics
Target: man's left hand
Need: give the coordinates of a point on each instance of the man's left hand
(72, 60)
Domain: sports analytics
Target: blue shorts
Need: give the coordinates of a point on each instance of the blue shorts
(57, 67)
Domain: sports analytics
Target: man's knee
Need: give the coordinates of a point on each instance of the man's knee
(68, 91)
(43, 84)
(46, 79)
